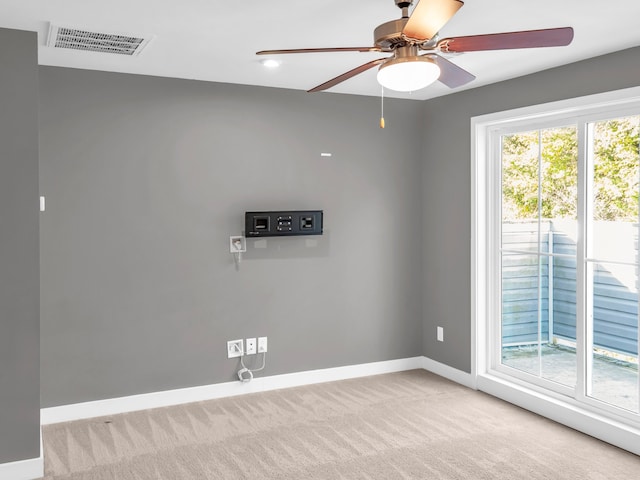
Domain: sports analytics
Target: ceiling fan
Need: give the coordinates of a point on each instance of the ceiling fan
(406, 70)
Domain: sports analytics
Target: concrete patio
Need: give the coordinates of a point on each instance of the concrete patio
(615, 380)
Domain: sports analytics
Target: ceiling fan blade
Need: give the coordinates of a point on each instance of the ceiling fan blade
(320, 50)
(550, 37)
(451, 74)
(429, 17)
(347, 75)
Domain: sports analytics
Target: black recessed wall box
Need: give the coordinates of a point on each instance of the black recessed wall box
(283, 224)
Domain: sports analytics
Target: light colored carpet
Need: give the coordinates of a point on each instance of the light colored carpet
(408, 425)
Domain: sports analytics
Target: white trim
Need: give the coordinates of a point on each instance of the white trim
(23, 470)
(29, 469)
(450, 373)
(616, 433)
(113, 406)
(582, 105)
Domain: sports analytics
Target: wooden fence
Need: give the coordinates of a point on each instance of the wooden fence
(539, 293)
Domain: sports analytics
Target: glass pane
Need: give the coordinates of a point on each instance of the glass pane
(525, 309)
(539, 214)
(559, 188)
(614, 377)
(615, 189)
(520, 193)
(559, 362)
(559, 211)
(539, 188)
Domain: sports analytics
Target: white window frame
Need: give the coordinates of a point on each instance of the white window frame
(583, 414)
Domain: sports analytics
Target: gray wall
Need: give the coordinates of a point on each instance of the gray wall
(145, 180)
(19, 262)
(447, 179)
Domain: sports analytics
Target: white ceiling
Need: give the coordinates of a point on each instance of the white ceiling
(215, 40)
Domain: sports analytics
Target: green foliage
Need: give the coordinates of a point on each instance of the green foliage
(549, 158)
(616, 169)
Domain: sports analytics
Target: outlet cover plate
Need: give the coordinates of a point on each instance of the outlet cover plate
(262, 344)
(237, 244)
(251, 346)
(235, 348)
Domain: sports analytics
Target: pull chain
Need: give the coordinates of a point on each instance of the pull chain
(382, 107)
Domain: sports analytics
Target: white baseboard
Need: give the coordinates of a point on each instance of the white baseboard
(113, 406)
(582, 420)
(585, 421)
(453, 374)
(23, 470)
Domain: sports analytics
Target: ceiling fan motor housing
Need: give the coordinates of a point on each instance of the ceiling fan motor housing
(388, 36)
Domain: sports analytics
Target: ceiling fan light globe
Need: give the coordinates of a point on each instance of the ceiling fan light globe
(408, 74)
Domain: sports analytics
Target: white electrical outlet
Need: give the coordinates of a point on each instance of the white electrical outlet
(234, 348)
(251, 346)
(440, 334)
(262, 344)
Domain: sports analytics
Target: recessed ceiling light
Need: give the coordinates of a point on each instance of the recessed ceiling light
(270, 63)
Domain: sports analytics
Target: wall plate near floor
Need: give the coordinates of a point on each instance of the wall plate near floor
(235, 348)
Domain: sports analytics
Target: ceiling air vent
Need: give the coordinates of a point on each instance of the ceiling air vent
(75, 39)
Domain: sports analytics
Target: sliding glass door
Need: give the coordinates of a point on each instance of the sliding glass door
(567, 254)
(612, 172)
